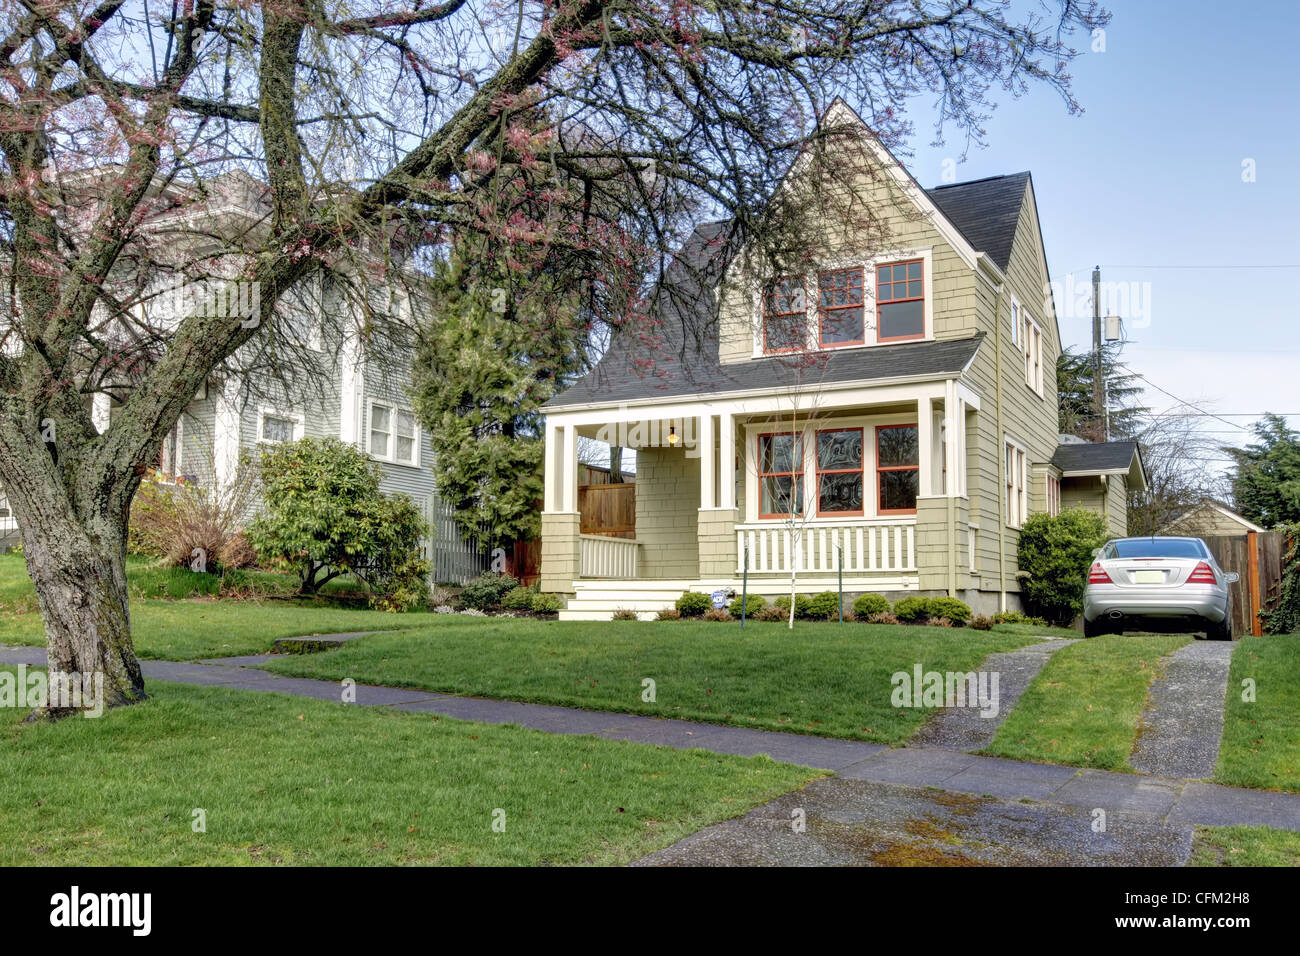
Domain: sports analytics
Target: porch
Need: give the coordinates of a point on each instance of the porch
(848, 485)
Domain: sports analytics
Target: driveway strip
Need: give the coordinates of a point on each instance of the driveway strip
(1182, 723)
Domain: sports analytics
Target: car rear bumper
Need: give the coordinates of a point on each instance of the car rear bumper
(1101, 601)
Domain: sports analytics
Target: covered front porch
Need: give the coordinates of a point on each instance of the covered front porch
(848, 485)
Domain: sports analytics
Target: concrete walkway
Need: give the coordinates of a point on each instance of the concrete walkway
(1161, 799)
(1182, 723)
(962, 728)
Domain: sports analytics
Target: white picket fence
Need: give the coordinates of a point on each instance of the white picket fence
(866, 546)
(602, 557)
(453, 559)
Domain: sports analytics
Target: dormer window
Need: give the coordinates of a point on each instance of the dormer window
(840, 297)
(900, 301)
(785, 315)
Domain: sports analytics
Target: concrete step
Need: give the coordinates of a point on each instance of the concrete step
(614, 604)
(570, 615)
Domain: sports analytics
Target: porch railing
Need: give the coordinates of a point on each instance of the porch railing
(867, 545)
(601, 557)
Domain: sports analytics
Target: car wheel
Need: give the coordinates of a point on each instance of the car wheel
(1219, 632)
(1093, 628)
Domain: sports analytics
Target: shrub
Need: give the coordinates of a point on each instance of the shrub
(624, 614)
(824, 606)
(545, 603)
(981, 623)
(1055, 554)
(518, 599)
(865, 605)
(938, 622)
(1283, 614)
(717, 614)
(912, 610)
(753, 604)
(194, 526)
(487, 590)
(770, 613)
(668, 614)
(1015, 617)
(801, 605)
(325, 516)
(693, 604)
(885, 618)
(958, 612)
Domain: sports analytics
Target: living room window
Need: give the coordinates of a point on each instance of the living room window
(1053, 496)
(900, 301)
(393, 434)
(274, 426)
(780, 477)
(898, 468)
(785, 315)
(840, 309)
(839, 472)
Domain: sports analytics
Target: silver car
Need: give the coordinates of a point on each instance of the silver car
(1157, 584)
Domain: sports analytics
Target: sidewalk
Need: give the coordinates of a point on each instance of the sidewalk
(1165, 799)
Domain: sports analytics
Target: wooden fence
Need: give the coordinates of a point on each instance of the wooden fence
(1257, 558)
(608, 510)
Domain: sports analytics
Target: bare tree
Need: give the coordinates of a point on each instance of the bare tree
(1179, 459)
(371, 131)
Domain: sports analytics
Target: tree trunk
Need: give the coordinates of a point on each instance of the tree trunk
(81, 588)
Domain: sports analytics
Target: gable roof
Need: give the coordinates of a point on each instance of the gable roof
(1210, 504)
(985, 211)
(1083, 458)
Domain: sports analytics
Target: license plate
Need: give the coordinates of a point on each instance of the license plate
(1149, 577)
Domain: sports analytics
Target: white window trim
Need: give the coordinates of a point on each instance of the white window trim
(299, 423)
(1015, 518)
(1016, 312)
(812, 295)
(394, 408)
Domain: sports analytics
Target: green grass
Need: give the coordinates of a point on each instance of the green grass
(1082, 709)
(1245, 846)
(293, 781)
(823, 679)
(1261, 739)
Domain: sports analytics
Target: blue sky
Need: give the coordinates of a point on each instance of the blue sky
(1148, 184)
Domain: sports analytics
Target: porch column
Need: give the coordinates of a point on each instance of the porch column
(716, 528)
(706, 460)
(100, 411)
(727, 461)
(925, 445)
(561, 558)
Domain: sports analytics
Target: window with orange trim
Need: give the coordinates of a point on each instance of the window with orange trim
(900, 301)
(785, 315)
(898, 468)
(839, 472)
(780, 475)
(839, 309)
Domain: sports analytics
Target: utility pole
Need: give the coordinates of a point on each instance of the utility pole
(1098, 379)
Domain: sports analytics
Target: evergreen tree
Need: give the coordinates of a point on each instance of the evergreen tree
(486, 361)
(1266, 476)
(1075, 374)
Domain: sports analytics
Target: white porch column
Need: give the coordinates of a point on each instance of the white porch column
(925, 444)
(101, 406)
(570, 474)
(550, 470)
(727, 461)
(952, 434)
(225, 437)
(706, 460)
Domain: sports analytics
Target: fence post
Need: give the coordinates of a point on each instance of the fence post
(1253, 582)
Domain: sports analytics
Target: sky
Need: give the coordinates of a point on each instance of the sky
(1149, 183)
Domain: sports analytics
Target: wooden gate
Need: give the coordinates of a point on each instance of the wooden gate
(608, 510)
(1257, 559)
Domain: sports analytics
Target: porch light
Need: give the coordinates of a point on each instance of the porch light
(672, 435)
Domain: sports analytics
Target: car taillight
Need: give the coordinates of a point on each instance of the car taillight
(1204, 574)
(1098, 575)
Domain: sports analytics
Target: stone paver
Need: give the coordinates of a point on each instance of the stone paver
(1183, 720)
(964, 728)
(1151, 804)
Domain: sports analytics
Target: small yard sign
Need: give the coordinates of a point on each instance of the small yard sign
(719, 599)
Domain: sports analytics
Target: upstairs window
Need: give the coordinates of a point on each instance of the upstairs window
(840, 308)
(898, 468)
(393, 435)
(839, 472)
(900, 302)
(785, 315)
(1032, 341)
(780, 478)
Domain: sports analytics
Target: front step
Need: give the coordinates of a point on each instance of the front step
(598, 600)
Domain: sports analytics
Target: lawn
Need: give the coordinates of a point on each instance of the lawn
(1245, 846)
(1261, 738)
(825, 679)
(293, 781)
(1082, 709)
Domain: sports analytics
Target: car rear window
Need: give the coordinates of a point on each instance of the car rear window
(1156, 548)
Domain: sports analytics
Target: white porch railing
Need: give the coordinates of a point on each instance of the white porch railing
(867, 545)
(602, 557)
